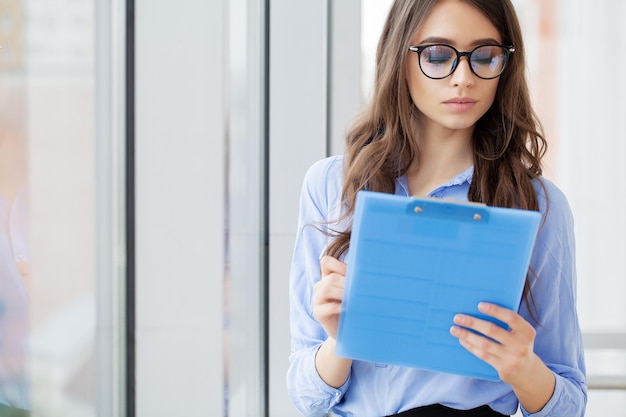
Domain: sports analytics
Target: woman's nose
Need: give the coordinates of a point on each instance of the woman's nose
(463, 74)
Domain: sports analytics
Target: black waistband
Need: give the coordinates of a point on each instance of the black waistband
(438, 410)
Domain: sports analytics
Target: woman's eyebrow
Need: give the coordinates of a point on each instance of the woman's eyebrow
(476, 42)
(435, 39)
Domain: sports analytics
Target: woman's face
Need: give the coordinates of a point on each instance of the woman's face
(458, 101)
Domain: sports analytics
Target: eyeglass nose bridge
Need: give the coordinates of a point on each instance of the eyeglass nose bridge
(460, 55)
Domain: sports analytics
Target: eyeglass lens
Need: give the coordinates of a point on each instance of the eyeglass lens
(439, 61)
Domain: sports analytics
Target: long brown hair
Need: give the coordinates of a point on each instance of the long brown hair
(508, 143)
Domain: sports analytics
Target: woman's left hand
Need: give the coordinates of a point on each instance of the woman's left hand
(510, 352)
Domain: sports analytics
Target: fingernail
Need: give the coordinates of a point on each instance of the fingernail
(483, 306)
(459, 319)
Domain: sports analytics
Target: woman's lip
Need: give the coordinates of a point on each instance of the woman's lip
(460, 104)
(460, 100)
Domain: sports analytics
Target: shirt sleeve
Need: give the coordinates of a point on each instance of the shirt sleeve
(553, 282)
(308, 392)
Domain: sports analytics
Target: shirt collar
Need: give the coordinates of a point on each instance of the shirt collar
(459, 179)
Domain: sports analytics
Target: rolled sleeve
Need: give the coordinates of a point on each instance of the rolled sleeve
(307, 390)
(565, 401)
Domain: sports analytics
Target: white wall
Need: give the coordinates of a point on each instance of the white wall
(298, 98)
(180, 190)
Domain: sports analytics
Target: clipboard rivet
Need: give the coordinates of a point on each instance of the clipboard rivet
(477, 216)
(417, 209)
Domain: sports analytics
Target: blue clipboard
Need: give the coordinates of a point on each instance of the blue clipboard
(414, 263)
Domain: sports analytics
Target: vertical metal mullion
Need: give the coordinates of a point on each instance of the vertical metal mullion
(329, 74)
(110, 117)
(266, 205)
(225, 64)
(130, 209)
(248, 206)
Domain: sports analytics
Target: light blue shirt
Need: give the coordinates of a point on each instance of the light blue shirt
(374, 390)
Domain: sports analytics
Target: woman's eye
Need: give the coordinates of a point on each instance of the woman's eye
(434, 59)
(482, 61)
(437, 56)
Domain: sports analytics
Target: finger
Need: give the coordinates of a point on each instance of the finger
(323, 292)
(326, 311)
(480, 346)
(517, 324)
(330, 280)
(481, 353)
(331, 265)
(484, 327)
(505, 315)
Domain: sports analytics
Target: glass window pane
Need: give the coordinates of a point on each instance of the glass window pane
(373, 14)
(51, 303)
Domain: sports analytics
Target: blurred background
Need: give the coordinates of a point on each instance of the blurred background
(151, 158)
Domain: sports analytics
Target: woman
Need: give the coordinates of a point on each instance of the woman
(450, 117)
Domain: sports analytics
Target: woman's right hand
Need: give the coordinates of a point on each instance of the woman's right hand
(328, 293)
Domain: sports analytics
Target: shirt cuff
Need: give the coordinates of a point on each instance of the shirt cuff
(546, 410)
(562, 402)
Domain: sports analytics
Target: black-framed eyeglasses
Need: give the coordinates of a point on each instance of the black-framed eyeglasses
(439, 61)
